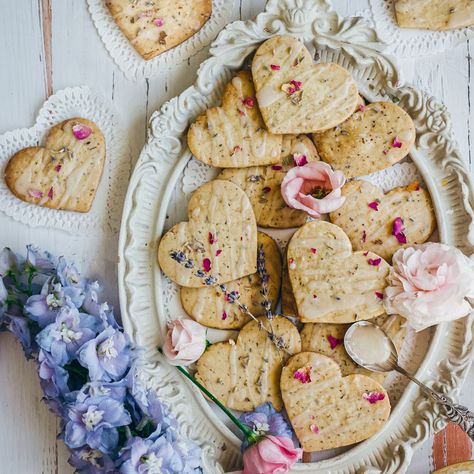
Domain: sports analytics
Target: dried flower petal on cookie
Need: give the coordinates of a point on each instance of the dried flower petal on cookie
(373, 397)
(303, 374)
(398, 230)
(334, 341)
(374, 205)
(81, 131)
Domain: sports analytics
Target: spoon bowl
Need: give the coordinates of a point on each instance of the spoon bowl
(389, 363)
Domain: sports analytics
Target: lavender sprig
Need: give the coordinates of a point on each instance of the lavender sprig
(230, 296)
(262, 273)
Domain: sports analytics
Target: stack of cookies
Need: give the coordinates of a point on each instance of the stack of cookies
(288, 112)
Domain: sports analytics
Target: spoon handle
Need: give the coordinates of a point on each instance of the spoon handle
(458, 414)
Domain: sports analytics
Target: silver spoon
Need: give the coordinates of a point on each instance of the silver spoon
(458, 414)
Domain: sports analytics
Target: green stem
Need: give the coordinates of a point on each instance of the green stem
(251, 436)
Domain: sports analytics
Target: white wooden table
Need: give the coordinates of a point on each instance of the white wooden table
(47, 45)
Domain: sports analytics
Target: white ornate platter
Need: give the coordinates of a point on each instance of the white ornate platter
(155, 201)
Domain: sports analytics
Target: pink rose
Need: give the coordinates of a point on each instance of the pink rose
(314, 188)
(185, 341)
(429, 284)
(271, 455)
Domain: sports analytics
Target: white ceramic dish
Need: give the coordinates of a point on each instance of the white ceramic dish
(155, 201)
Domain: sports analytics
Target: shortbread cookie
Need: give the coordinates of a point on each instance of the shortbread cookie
(233, 135)
(328, 340)
(263, 183)
(294, 94)
(373, 138)
(154, 26)
(246, 373)
(65, 173)
(434, 14)
(219, 242)
(459, 468)
(209, 307)
(331, 284)
(368, 215)
(327, 410)
(288, 303)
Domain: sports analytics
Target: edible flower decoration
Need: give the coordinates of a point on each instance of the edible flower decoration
(314, 188)
(81, 131)
(185, 342)
(429, 284)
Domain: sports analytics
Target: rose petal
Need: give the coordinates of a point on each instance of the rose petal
(36, 193)
(334, 341)
(373, 397)
(277, 167)
(81, 131)
(51, 193)
(300, 159)
(275, 67)
(248, 102)
(159, 22)
(206, 265)
(396, 143)
(374, 205)
(218, 252)
(375, 261)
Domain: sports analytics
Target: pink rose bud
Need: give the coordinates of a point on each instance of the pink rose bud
(314, 188)
(185, 341)
(81, 131)
(271, 455)
(429, 284)
(159, 22)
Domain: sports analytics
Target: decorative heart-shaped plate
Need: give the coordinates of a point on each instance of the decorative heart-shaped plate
(106, 207)
(155, 203)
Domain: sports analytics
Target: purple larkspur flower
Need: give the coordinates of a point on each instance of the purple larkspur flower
(63, 338)
(3, 298)
(43, 262)
(91, 461)
(266, 420)
(114, 390)
(53, 377)
(44, 307)
(68, 274)
(18, 326)
(94, 422)
(8, 261)
(107, 357)
(159, 453)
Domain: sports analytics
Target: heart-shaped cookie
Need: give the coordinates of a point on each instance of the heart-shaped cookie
(368, 215)
(218, 244)
(438, 15)
(246, 373)
(297, 96)
(263, 183)
(373, 138)
(233, 135)
(331, 284)
(328, 340)
(327, 410)
(65, 173)
(154, 26)
(209, 307)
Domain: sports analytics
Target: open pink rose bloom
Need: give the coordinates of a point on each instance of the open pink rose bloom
(314, 188)
(429, 284)
(271, 455)
(185, 342)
